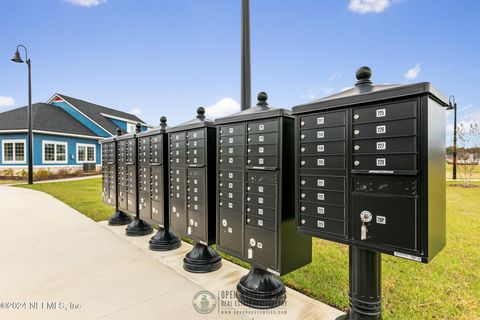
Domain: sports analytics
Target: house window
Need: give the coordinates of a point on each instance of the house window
(54, 152)
(13, 151)
(86, 153)
(131, 127)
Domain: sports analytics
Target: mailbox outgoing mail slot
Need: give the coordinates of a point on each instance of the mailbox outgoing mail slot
(255, 206)
(370, 168)
(109, 171)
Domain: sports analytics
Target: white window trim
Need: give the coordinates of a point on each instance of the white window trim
(94, 152)
(44, 142)
(133, 128)
(24, 151)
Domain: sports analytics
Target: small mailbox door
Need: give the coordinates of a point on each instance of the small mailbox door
(394, 220)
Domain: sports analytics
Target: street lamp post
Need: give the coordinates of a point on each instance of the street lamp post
(17, 58)
(453, 105)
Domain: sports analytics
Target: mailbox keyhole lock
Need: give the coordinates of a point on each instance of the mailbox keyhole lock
(365, 217)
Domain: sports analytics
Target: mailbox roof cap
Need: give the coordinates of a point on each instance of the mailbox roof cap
(260, 111)
(127, 136)
(365, 91)
(199, 122)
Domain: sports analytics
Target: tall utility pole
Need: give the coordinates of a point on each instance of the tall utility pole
(246, 95)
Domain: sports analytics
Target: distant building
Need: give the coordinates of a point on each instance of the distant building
(66, 133)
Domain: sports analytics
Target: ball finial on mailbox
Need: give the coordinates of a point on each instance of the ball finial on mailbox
(201, 113)
(138, 128)
(163, 122)
(363, 76)
(119, 132)
(262, 98)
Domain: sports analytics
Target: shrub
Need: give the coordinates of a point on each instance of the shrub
(42, 174)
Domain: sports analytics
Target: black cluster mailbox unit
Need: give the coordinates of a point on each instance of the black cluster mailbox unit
(192, 189)
(110, 180)
(152, 147)
(370, 173)
(255, 206)
(128, 187)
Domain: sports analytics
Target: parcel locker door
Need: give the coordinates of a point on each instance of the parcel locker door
(196, 225)
(178, 215)
(393, 220)
(261, 246)
(231, 230)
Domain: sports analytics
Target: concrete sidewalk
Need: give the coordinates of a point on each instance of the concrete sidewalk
(58, 264)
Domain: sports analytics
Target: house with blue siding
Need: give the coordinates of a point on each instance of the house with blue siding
(66, 133)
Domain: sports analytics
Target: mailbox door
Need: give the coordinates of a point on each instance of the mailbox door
(131, 174)
(261, 246)
(394, 220)
(144, 181)
(157, 194)
(231, 229)
(178, 205)
(197, 215)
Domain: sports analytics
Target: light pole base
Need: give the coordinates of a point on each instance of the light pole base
(202, 259)
(138, 228)
(119, 218)
(164, 240)
(260, 289)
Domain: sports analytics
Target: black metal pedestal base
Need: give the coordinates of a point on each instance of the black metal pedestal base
(119, 218)
(365, 293)
(138, 228)
(202, 259)
(164, 240)
(260, 289)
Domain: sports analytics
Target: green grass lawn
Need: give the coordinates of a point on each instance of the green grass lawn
(447, 288)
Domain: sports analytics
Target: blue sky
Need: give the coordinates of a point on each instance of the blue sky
(167, 57)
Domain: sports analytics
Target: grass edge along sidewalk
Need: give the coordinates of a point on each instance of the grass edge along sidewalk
(447, 288)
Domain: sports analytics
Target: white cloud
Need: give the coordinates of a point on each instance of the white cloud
(87, 3)
(334, 76)
(367, 6)
(413, 73)
(6, 101)
(224, 107)
(136, 111)
(318, 93)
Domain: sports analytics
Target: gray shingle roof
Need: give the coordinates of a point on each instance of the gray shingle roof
(94, 111)
(45, 117)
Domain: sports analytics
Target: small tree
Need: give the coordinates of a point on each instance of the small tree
(468, 155)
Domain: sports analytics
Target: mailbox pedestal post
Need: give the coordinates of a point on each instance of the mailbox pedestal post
(138, 227)
(202, 259)
(365, 289)
(119, 218)
(260, 289)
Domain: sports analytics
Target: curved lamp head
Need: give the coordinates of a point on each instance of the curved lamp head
(17, 57)
(452, 104)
